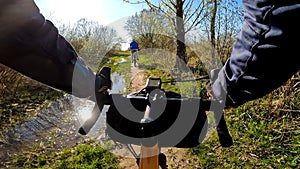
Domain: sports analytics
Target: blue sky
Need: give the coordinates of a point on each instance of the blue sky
(107, 12)
(103, 11)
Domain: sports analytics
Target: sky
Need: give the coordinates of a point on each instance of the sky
(103, 11)
(111, 13)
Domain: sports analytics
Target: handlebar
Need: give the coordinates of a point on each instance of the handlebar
(125, 114)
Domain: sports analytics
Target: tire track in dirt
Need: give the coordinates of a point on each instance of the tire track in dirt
(137, 79)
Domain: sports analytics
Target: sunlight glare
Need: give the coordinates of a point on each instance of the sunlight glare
(85, 115)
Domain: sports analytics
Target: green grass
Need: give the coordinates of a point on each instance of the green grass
(155, 69)
(116, 64)
(265, 136)
(84, 156)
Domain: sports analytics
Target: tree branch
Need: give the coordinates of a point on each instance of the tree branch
(153, 6)
(130, 2)
(196, 11)
(188, 7)
(198, 14)
(172, 9)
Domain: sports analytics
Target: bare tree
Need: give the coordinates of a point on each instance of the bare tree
(90, 39)
(185, 15)
(101, 40)
(219, 29)
(222, 25)
(79, 34)
(149, 29)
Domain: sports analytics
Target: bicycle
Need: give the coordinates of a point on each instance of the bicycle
(134, 57)
(140, 119)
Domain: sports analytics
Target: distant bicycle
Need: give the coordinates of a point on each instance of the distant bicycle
(134, 57)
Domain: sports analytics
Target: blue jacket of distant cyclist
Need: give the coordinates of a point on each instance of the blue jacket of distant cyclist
(134, 45)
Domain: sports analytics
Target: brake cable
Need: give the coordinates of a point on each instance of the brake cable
(189, 80)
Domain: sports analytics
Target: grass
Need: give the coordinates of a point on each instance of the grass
(86, 156)
(89, 155)
(119, 63)
(265, 136)
(155, 69)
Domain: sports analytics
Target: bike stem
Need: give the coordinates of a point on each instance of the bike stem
(149, 155)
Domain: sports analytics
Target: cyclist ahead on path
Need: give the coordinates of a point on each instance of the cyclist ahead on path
(134, 48)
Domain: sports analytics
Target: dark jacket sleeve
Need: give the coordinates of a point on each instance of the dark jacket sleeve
(32, 45)
(265, 54)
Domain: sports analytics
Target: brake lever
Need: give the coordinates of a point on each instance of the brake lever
(102, 98)
(225, 138)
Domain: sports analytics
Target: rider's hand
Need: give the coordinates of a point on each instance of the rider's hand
(103, 85)
(213, 76)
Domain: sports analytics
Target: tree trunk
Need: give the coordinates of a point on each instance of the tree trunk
(180, 34)
(213, 23)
